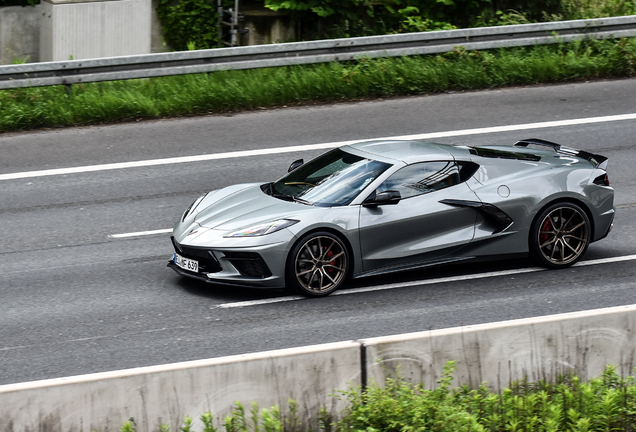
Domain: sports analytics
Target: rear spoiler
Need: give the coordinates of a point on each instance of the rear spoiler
(598, 161)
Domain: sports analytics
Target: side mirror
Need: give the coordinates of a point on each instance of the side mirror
(389, 197)
(295, 164)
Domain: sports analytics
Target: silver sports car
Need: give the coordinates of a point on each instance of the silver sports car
(384, 206)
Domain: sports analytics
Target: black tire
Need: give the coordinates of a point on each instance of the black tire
(560, 235)
(317, 265)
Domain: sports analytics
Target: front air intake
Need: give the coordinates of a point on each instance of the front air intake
(248, 264)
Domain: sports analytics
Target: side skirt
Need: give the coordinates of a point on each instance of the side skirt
(412, 266)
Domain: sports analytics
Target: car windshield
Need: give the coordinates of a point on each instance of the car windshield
(333, 179)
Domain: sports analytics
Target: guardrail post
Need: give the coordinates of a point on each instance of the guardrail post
(363, 366)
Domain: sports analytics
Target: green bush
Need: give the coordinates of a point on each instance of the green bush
(583, 9)
(188, 24)
(606, 403)
(400, 406)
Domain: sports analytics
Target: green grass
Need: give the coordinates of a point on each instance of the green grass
(224, 91)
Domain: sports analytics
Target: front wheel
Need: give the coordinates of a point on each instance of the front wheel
(559, 235)
(317, 265)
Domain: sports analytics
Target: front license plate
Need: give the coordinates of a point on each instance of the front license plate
(186, 263)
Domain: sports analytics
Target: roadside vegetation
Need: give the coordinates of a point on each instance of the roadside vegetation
(229, 91)
(191, 24)
(606, 403)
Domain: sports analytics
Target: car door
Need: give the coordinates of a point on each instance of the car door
(418, 228)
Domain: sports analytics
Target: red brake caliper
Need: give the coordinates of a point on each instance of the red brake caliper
(546, 227)
(333, 263)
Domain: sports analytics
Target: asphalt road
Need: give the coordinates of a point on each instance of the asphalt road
(74, 300)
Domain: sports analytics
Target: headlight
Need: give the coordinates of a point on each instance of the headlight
(263, 229)
(193, 206)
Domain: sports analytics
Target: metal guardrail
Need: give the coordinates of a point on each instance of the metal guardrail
(294, 53)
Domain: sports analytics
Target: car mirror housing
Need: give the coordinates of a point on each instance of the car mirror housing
(295, 164)
(390, 197)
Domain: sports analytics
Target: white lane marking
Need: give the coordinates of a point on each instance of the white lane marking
(605, 260)
(424, 282)
(299, 148)
(258, 302)
(141, 233)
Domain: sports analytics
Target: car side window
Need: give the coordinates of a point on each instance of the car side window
(422, 178)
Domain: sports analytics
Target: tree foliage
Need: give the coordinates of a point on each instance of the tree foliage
(387, 16)
(18, 2)
(188, 24)
(324, 8)
(191, 24)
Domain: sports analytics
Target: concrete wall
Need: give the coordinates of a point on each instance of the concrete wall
(265, 25)
(19, 34)
(500, 353)
(103, 29)
(165, 394)
(83, 29)
(156, 31)
(582, 342)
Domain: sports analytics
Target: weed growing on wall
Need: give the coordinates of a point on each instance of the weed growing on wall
(606, 403)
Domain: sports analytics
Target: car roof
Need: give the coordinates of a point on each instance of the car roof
(408, 151)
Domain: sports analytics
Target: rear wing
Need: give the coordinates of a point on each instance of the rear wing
(597, 160)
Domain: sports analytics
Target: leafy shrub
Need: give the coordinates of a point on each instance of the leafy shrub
(404, 407)
(606, 403)
(188, 24)
(584, 9)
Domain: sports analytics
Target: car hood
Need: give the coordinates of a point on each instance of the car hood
(244, 207)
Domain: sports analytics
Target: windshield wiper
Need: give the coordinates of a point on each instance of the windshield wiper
(291, 198)
(302, 201)
(268, 188)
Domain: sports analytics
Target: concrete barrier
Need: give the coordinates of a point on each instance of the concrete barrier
(499, 353)
(166, 394)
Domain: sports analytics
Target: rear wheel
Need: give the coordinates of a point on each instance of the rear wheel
(317, 265)
(560, 235)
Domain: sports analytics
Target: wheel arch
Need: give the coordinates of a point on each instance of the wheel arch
(342, 237)
(570, 200)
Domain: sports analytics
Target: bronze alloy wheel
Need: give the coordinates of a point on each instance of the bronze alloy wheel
(562, 234)
(320, 264)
